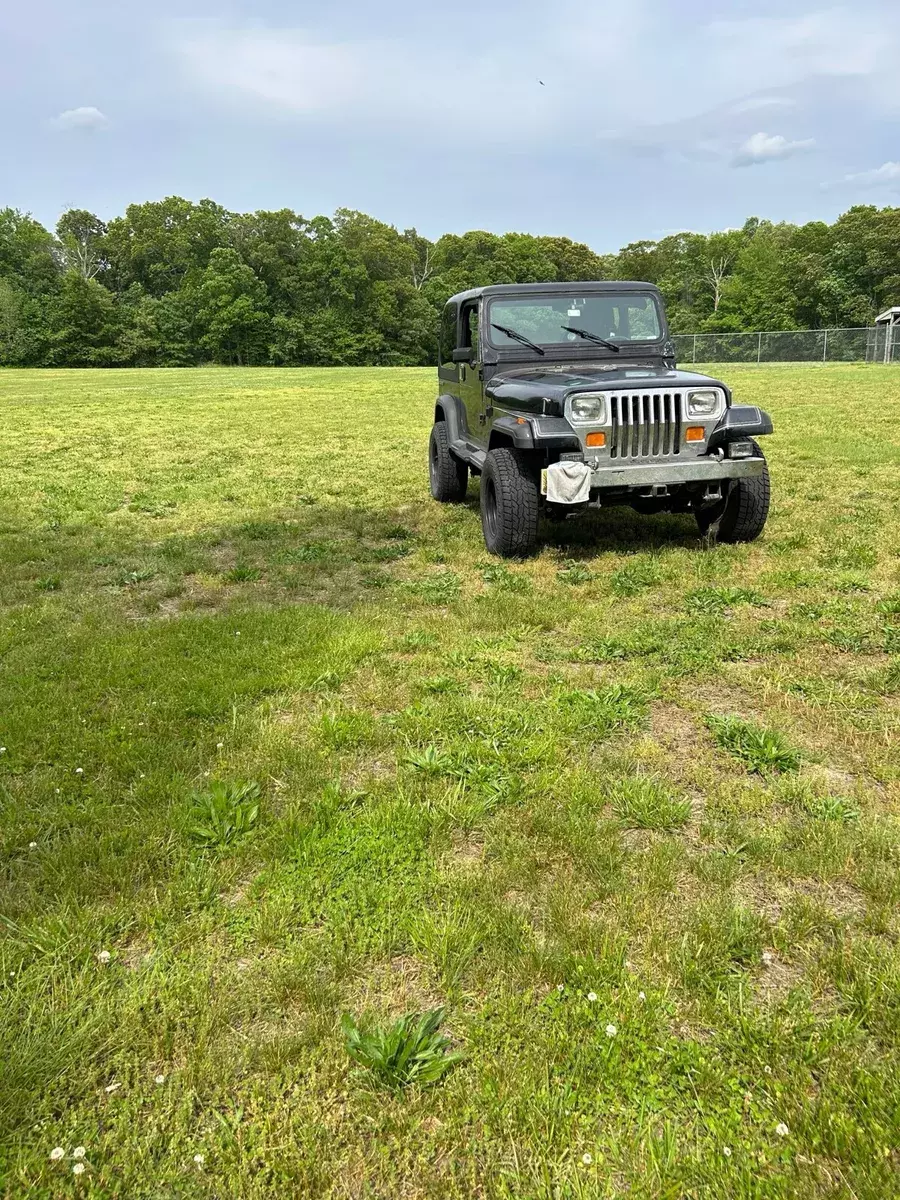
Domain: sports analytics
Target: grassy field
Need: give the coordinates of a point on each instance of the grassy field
(627, 810)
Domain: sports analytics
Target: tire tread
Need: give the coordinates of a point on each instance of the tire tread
(747, 509)
(518, 503)
(451, 479)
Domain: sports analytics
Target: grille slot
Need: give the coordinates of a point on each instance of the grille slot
(645, 425)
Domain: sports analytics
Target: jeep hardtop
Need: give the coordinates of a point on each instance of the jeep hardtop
(565, 395)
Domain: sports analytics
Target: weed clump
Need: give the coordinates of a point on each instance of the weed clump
(719, 599)
(760, 750)
(411, 1051)
(225, 813)
(600, 712)
(635, 577)
(643, 803)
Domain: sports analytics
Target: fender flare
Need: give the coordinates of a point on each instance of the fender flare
(740, 421)
(450, 410)
(517, 433)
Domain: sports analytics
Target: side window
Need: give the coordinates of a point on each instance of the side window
(448, 333)
(469, 332)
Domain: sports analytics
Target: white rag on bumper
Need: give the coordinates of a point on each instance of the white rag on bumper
(568, 483)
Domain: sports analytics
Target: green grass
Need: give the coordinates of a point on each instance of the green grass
(279, 742)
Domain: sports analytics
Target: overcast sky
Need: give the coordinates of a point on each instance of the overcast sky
(605, 121)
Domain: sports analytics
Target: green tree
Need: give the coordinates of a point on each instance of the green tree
(232, 310)
(161, 243)
(81, 237)
(27, 253)
(84, 325)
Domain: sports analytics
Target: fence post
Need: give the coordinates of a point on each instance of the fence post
(694, 359)
(759, 351)
(825, 346)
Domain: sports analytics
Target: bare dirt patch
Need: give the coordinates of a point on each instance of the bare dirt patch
(466, 851)
(772, 897)
(776, 980)
(393, 987)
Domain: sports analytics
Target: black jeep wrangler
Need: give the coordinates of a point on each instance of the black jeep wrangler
(561, 395)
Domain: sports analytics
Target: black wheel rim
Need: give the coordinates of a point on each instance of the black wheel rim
(490, 505)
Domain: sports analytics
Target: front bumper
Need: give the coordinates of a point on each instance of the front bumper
(699, 470)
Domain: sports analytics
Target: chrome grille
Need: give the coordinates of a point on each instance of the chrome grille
(645, 425)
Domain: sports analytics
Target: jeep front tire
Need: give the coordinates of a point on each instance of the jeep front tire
(510, 503)
(746, 508)
(449, 476)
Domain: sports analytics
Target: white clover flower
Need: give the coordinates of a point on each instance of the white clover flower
(79, 770)
(199, 1160)
(642, 995)
(726, 1150)
(2, 749)
(160, 1079)
(219, 745)
(104, 956)
(560, 986)
(78, 1168)
(32, 845)
(57, 1153)
(592, 996)
(781, 1129)
(79, 1152)
(767, 1070)
(112, 1087)
(611, 1031)
(587, 1159)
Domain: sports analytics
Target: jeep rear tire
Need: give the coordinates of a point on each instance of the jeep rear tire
(746, 508)
(510, 503)
(448, 475)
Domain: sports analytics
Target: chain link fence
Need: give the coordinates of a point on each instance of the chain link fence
(795, 345)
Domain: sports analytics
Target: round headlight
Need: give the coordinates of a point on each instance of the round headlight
(587, 409)
(703, 404)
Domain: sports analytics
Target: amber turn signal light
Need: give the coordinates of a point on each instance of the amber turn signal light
(694, 433)
(595, 439)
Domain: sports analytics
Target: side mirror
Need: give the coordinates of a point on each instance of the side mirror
(464, 354)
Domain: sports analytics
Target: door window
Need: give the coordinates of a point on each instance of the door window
(469, 331)
(448, 333)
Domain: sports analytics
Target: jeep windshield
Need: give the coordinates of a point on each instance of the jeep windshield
(625, 319)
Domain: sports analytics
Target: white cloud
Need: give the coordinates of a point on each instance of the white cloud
(86, 117)
(283, 68)
(776, 51)
(388, 85)
(887, 175)
(757, 103)
(385, 87)
(764, 147)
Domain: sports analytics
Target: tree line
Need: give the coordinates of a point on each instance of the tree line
(177, 283)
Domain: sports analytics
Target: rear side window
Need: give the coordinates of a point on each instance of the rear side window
(470, 327)
(448, 333)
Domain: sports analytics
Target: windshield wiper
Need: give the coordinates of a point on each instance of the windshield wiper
(519, 337)
(594, 337)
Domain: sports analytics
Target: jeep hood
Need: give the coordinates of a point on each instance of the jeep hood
(528, 387)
